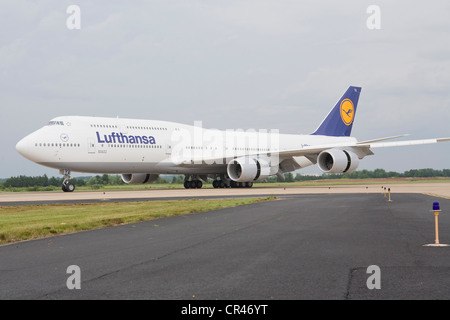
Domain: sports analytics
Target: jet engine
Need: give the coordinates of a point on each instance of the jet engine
(337, 161)
(139, 178)
(247, 169)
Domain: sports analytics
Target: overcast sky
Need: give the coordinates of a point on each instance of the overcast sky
(260, 64)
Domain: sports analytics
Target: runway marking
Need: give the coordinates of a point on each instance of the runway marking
(435, 195)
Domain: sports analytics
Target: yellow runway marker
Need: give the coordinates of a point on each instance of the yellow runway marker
(436, 195)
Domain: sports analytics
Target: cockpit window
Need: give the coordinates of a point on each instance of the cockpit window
(55, 123)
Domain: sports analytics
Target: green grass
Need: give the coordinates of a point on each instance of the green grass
(18, 223)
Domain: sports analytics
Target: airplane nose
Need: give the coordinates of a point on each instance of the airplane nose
(23, 147)
(20, 146)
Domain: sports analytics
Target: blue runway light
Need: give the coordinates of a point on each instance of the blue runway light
(436, 206)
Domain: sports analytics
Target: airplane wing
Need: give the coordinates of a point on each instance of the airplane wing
(383, 139)
(402, 143)
(364, 146)
(362, 149)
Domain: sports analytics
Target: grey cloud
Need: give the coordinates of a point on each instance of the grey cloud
(279, 64)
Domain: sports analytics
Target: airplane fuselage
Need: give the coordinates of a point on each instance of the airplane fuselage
(117, 146)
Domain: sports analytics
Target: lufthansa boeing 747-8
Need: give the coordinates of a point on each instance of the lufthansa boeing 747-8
(141, 150)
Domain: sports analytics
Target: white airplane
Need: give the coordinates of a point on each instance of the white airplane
(141, 150)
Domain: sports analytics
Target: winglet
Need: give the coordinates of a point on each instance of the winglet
(339, 121)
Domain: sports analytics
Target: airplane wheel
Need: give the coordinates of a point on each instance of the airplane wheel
(215, 184)
(193, 184)
(68, 187)
(187, 184)
(199, 184)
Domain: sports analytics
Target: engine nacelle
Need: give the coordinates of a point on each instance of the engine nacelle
(246, 169)
(139, 178)
(337, 161)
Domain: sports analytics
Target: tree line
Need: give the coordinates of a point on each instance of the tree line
(102, 180)
(94, 181)
(373, 174)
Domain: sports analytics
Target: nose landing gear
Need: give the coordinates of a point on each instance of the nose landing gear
(67, 185)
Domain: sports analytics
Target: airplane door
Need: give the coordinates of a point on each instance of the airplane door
(168, 149)
(57, 154)
(121, 125)
(91, 145)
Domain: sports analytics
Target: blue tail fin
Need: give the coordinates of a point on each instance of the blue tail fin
(339, 121)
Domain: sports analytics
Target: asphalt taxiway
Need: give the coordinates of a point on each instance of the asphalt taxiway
(304, 246)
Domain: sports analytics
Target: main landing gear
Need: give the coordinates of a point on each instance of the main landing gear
(194, 183)
(231, 184)
(67, 185)
(221, 181)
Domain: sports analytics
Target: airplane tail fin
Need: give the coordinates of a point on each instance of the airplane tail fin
(339, 121)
